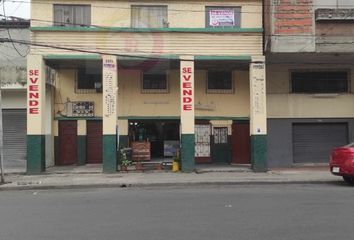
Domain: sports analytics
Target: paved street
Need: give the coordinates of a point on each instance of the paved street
(323, 211)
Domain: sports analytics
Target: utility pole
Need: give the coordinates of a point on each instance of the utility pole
(2, 178)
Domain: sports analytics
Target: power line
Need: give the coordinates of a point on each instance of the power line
(139, 56)
(191, 3)
(204, 11)
(8, 32)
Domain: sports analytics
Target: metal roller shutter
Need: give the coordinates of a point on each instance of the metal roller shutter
(313, 142)
(15, 144)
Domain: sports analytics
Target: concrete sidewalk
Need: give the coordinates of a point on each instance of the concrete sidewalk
(71, 178)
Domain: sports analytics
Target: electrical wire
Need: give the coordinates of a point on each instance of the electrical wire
(204, 11)
(8, 32)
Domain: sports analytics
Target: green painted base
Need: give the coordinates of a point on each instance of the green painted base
(123, 141)
(109, 153)
(35, 154)
(259, 153)
(81, 150)
(187, 152)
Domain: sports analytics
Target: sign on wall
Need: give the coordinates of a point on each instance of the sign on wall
(187, 96)
(33, 92)
(221, 17)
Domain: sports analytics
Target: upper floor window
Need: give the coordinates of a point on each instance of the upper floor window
(72, 15)
(319, 81)
(220, 82)
(223, 16)
(88, 80)
(155, 82)
(149, 16)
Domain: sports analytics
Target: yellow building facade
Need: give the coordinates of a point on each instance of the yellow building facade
(182, 76)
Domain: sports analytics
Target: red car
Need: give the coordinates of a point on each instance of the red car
(342, 162)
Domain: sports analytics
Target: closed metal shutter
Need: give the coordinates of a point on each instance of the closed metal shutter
(313, 142)
(15, 136)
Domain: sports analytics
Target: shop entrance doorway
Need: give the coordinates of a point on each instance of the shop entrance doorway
(161, 135)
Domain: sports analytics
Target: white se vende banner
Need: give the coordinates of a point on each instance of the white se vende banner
(221, 17)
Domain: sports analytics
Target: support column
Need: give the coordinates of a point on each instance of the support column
(81, 142)
(35, 114)
(110, 83)
(187, 113)
(123, 132)
(258, 114)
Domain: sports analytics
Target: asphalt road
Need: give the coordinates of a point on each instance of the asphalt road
(235, 212)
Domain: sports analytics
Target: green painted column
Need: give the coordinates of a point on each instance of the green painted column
(35, 154)
(81, 150)
(259, 153)
(187, 152)
(109, 153)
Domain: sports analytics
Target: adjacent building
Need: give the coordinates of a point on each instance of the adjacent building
(309, 46)
(13, 92)
(162, 74)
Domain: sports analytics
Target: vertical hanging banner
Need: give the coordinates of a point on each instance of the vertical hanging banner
(109, 83)
(187, 96)
(258, 99)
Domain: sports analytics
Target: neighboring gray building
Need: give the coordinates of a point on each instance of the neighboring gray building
(310, 79)
(13, 85)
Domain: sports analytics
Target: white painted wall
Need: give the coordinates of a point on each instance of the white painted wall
(13, 99)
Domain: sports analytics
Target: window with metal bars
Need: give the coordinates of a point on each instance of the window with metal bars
(319, 81)
(220, 82)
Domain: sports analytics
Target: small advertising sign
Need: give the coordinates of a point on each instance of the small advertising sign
(221, 17)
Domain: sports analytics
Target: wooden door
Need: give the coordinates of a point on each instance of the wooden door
(241, 149)
(94, 142)
(67, 142)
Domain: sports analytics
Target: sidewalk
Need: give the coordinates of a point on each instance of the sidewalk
(91, 177)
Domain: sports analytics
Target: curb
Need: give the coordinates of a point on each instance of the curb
(152, 185)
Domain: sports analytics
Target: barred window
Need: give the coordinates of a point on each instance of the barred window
(155, 82)
(319, 81)
(219, 82)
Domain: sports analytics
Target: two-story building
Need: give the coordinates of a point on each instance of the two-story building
(188, 74)
(309, 79)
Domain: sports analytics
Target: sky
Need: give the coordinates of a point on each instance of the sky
(17, 8)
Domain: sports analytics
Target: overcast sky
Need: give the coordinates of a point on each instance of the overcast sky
(17, 8)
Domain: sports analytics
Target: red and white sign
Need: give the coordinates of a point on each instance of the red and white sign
(33, 91)
(187, 96)
(187, 89)
(221, 17)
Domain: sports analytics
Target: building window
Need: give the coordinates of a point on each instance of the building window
(223, 16)
(88, 80)
(319, 81)
(219, 82)
(149, 16)
(220, 135)
(155, 82)
(72, 15)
